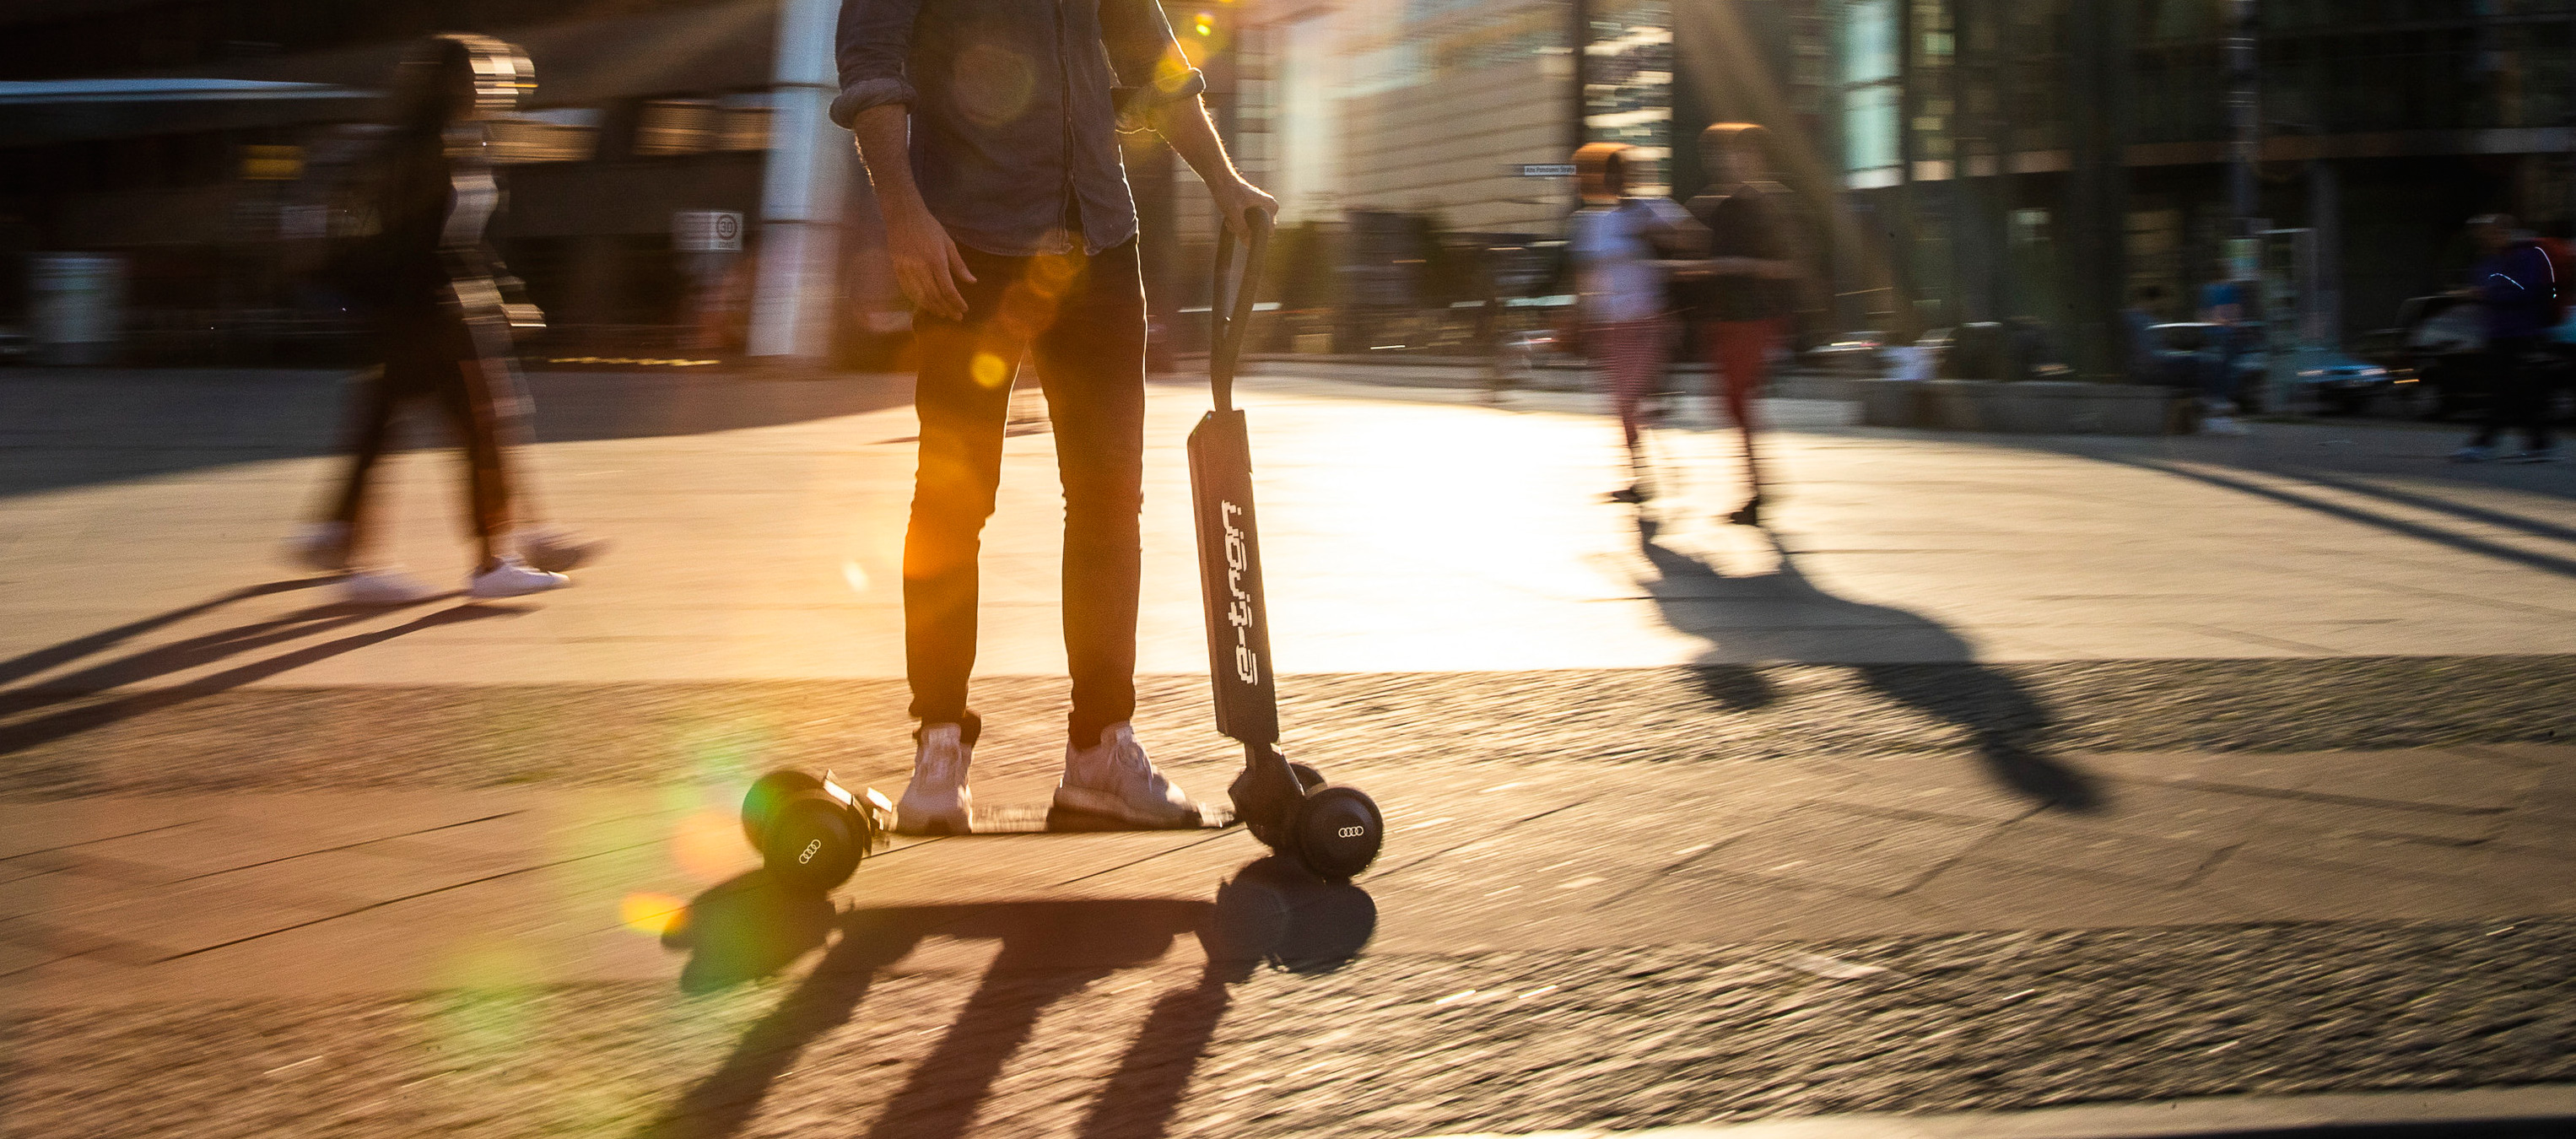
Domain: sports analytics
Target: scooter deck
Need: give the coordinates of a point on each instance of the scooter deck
(1049, 820)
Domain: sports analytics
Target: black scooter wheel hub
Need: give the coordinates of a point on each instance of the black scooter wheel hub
(1338, 831)
(814, 842)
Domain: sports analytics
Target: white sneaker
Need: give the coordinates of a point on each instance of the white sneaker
(513, 578)
(2473, 454)
(937, 801)
(556, 549)
(1114, 778)
(2221, 425)
(321, 545)
(384, 587)
(2543, 455)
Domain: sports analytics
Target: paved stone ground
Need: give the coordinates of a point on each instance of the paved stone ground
(1391, 1044)
(1573, 943)
(2016, 772)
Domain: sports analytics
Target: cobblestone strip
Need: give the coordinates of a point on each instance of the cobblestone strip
(189, 740)
(1389, 1045)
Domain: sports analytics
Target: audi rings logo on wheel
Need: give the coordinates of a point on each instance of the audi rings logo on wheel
(811, 849)
(1352, 832)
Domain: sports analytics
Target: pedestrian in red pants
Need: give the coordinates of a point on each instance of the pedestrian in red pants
(1741, 296)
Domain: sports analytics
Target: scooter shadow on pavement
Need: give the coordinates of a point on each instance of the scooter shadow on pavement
(2007, 721)
(1270, 913)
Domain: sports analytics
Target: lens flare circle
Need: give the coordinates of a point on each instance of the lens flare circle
(649, 913)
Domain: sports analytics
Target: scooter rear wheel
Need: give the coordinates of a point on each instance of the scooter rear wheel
(808, 840)
(1338, 831)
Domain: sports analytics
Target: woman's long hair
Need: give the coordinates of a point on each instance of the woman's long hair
(455, 77)
(432, 132)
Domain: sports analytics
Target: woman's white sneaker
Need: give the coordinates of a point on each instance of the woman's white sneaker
(511, 577)
(384, 587)
(1115, 779)
(937, 801)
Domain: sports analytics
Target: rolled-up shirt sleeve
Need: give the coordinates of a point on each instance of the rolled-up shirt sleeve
(873, 46)
(1147, 58)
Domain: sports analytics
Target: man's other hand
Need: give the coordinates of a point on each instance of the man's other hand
(926, 264)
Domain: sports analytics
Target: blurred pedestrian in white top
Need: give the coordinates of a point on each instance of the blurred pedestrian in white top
(1617, 243)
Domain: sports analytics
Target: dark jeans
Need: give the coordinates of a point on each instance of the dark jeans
(432, 353)
(2517, 393)
(1083, 318)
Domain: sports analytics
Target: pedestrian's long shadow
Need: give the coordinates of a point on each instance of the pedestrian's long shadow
(163, 660)
(2551, 563)
(30, 663)
(1271, 912)
(2007, 722)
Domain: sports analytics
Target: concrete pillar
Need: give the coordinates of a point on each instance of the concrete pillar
(801, 191)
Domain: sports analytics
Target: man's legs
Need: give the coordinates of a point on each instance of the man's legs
(1091, 358)
(1091, 361)
(2516, 397)
(2495, 374)
(963, 396)
(2521, 395)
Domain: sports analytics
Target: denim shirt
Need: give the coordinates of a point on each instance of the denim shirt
(1016, 107)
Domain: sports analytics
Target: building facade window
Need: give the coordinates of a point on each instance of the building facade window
(1871, 85)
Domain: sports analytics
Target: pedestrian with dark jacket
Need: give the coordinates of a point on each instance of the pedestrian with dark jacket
(440, 307)
(2517, 287)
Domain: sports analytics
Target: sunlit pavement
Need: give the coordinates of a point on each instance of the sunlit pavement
(2170, 767)
(1404, 530)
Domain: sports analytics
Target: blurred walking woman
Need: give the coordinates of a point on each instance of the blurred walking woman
(415, 263)
(1742, 295)
(1619, 287)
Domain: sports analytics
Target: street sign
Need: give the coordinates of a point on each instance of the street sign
(706, 231)
(1547, 170)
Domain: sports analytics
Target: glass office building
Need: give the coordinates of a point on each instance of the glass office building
(2055, 158)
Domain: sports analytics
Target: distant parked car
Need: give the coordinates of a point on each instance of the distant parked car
(2341, 384)
(1851, 354)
